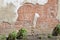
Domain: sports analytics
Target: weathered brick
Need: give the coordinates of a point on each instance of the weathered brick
(45, 24)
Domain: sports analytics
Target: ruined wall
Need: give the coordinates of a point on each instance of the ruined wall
(45, 24)
(47, 20)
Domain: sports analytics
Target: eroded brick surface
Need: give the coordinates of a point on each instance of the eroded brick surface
(45, 24)
(47, 20)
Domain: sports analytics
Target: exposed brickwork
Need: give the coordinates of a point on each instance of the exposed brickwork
(48, 12)
(45, 23)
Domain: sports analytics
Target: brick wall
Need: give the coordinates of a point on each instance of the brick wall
(47, 20)
(45, 24)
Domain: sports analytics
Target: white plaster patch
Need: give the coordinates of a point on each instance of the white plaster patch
(1, 3)
(8, 14)
(35, 19)
(30, 1)
(42, 2)
(17, 3)
(8, 10)
(58, 15)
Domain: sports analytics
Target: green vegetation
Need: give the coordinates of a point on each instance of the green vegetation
(22, 33)
(50, 36)
(12, 36)
(2, 37)
(56, 30)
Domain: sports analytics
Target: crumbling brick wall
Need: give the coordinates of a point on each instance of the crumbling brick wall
(46, 22)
